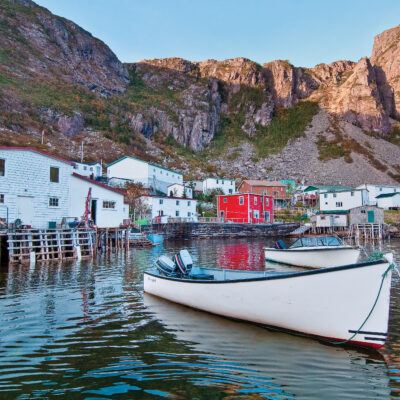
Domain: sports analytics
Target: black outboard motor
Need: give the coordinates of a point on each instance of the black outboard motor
(183, 261)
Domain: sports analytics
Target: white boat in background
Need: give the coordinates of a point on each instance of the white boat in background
(314, 252)
(345, 304)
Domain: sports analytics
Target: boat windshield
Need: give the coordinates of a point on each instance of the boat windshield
(316, 241)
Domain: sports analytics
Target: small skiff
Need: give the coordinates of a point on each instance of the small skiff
(314, 252)
(344, 304)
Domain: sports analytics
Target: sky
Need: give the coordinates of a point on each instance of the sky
(305, 32)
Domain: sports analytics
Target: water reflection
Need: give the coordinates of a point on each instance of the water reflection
(84, 330)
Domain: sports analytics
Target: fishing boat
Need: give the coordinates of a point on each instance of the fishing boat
(155, 239)
(313, 252)
(343, 304)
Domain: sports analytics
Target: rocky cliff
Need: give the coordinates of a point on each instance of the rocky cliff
(232, 116)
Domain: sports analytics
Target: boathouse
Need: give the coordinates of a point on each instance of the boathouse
(246, 208)
(107, 207)
(34, 187)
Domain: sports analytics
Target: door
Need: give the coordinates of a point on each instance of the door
(371, 216)
(25, 209)
(93, 211)
(222, 215)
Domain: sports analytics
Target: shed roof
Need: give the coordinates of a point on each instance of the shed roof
(43, 153)
(84, 178)
(253, 182)
(147, 162)
(387, 195)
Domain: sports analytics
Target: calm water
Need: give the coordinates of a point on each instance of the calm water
(86, 331)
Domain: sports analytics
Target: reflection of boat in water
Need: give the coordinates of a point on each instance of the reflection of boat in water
(314, 252)
(276, 364)
(346, 304)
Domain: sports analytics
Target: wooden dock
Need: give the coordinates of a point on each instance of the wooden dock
(32, 245)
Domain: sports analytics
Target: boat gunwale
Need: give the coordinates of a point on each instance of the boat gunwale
(306, 249)
(273, 277)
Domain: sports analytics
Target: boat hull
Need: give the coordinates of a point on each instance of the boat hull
(331, 303)
(314, 257)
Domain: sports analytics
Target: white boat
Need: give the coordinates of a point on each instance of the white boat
(345, 304)
(314, 252)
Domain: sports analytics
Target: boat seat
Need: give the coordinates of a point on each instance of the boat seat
(280, 245)
(198, 274)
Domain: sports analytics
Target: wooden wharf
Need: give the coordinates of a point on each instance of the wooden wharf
(32, 245)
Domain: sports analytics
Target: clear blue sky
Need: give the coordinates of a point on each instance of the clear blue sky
(306, 32)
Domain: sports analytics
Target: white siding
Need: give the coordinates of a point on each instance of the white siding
(327, 221)
(340, 201)
(88, 169)
(178, 190)
(389, 202)
(105, 217)
(27, 175)
(226, 185)
(376, 190)
(170, 206)
(131, 169)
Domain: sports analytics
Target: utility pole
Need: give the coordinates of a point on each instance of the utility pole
(82, 151)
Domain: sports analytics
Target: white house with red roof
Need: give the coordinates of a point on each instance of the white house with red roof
(40, 189)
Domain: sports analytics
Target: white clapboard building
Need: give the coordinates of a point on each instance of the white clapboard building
(207, 185)
(107, 207)
(377, 190)
(388, 201)
(179, 190)
(150, 175)
(343, 200)
(164, 208)
(40, 189)
(90, 170)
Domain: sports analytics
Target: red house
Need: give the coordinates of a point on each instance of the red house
(246, 208)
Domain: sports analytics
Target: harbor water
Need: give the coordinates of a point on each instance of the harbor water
(86, 330)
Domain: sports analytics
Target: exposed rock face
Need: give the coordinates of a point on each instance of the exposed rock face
(287, 83)
(45, 45)
(386, 60)
(329, 74)
(358, 99)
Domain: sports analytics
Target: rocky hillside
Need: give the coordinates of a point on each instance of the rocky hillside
(332, 123)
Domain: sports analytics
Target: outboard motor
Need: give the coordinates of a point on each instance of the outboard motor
(166, 265)
(183, 261)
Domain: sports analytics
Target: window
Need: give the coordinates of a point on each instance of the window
(217, 181)
(267, 201)
(108, 204)
(255, 200)
(339, 204)
(54, 174)
(352, 194)
(264, 192)
(231, 183)
(53, 202)
(91, 168)
(177, 202)
(225, 200)
(2, 167)
(362, 211)
(176, 213)
(161, 201)
(241, 200)
(256, 214)
(160, 172)
(85, 168)
(380, 189)
(266, 216)
(167, 173)
(2, 198)
(325, 196)
(334, 194)
(188, 203)
(222, 182)
(230, 191)
(189, 213)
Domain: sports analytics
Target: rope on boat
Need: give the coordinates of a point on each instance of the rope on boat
(384, 275)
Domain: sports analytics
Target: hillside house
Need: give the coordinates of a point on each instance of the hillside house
(151, 176)
(179, 190)
(388, 201)
(246, 208)
(163, 209)
(275, 189)
(377, 190)
(34, 186)
(343, 200)
(226, 185)
(91, 170)
(310, 194)
(107, 207)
